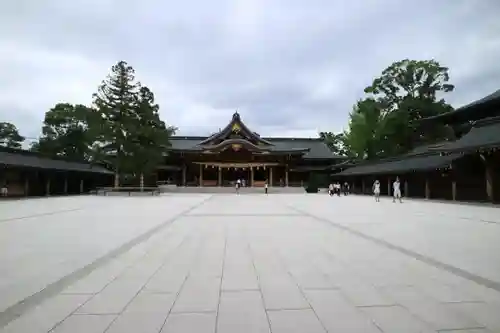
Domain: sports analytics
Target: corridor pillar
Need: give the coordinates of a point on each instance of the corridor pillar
(201, 175)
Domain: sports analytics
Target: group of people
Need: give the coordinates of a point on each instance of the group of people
(336, 188)
(241, 182)
(396, 190)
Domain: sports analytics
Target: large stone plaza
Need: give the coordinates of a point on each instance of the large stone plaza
(248, 263)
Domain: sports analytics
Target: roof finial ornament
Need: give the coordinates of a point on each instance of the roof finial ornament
(236, 114)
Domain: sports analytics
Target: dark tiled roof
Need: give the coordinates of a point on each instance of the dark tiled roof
(344, 164)
(494, 97)
(428, 148)
(317, 147)
(186, 142)
(22, 158)
(484, 134)
(488, 106)
(310, 168)
(410, 163)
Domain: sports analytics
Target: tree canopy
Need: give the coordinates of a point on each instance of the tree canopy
(9, 136)
(335, 142)
(150, 136)
(127, 127)
(386, 121)
(122, 127)
(66, 132)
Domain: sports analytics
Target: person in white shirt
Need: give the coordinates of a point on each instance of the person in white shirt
(266, 186)
(376, 190)
(330, 189)
(238, 185)
(338, 188)
(4, 191)
(396, 187)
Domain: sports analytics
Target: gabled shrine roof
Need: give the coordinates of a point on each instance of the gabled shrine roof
(317, 149)
(236, 130)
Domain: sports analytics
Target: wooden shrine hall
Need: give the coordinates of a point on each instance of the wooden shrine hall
(236, 152)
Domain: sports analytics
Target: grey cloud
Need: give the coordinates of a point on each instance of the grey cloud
(288, 66)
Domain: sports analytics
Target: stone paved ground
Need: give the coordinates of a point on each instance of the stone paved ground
(249, 263)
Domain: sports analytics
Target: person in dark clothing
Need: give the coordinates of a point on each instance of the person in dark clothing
(346, 188)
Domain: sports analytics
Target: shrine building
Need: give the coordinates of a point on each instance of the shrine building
(237, 152)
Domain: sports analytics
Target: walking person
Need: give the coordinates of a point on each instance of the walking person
(330, 189)
(376, 190)
(4, 191)
(238, 185)
(396, 188)
(338, 189)
(266, 186)
(346, 188)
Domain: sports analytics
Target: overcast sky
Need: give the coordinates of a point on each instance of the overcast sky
(291, 67)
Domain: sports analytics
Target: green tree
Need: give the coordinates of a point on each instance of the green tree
(66, 132)
(335, 142)
(115, 102)
(9, 136)
(150, 136)
(364, 138)
(408, 91)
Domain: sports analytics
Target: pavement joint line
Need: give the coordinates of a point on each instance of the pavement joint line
(39, 215)
(17, 310)
(163, 264)
(221, 280)
(286, 266)
(259, 284)
(239, 214)
(423, 258)
(178, 293)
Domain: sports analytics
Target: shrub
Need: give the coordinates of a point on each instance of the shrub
(312, 184)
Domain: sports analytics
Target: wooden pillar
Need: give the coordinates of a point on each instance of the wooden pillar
(184, 171)
(427, 189)
(141, 182)
(454, 190)
(362, 186)
(117, 180)
(65, 184)
(251, 176)
(489, 183)
(488, 177)
(407, 194)
(26, 185)
(270, 183)
(219, 180)
(286, 176)
(47, 187)
(201, 175)
(388, 186)
(81, 185)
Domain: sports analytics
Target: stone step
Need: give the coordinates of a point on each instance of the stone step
(215, 189)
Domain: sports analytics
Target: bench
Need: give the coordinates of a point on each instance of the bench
(128, 190)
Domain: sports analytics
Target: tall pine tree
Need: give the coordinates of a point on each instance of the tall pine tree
(115, 119)
(150, 137)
